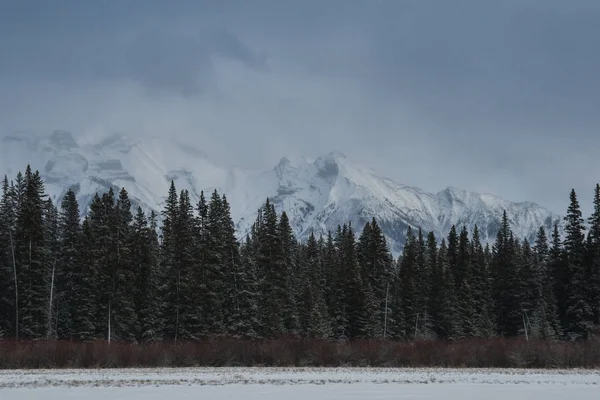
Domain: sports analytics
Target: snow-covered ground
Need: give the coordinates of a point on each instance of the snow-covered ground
(300, 383)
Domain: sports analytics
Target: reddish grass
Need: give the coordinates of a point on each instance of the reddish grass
(475, 353)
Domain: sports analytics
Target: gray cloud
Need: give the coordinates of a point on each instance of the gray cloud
(491, 96)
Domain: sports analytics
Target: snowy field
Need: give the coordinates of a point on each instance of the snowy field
(300, 383)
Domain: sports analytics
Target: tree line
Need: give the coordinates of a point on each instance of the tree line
(116, 274)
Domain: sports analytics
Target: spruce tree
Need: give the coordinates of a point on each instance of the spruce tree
(245, 321)
(125, 318)
(68, 280)
(171, 289)
(84, 307)
(146, 267)
(336, 279)
(194, 317)
(7, 272)
(239, 306)
(550, 327)
(436, 295)
(408, 285)
(271, 265)
(507, 291)
(578, 312)
(594, 258)
(481, 288)
(33, 269)
(375, 263)
(288, 243)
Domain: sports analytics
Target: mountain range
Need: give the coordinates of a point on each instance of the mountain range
(316, 194)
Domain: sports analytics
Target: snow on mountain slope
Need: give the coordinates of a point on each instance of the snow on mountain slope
(317, 195)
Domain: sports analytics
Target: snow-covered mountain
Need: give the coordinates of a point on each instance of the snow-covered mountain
(317, 195)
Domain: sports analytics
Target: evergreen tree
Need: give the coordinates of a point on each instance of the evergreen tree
(481, 288)
(104, 258)
(196, 316)
(171, 292)
(408, 285)
(313, 317)
(146, 267)
(239, 287)
(32, 267)
(578, 312)
(245, 321)
(593, 282)
(271, 264)
(125, 319)
(375, 264)
(68, 289)
(468, 316)
(507, 291)
(436, 296)
(336, 278)
(7, 273)
(83, 310)
(290, 268)
(550, 326)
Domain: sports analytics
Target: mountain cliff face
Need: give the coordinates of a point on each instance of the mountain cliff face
(317, 195)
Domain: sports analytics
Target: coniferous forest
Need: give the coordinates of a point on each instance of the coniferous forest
(118, 275)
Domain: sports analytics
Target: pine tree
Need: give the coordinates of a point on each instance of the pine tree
(171, 292)
(468, 317)
(356, 291)
(194, 317)
(33, 271)
(288, 243)
(375, 264)
(408, 285)
(103, 226)
(69, 291)
(8, 301)
(436, 295)
(578, 312)
(313, 317)
(507, 291)
(239, 306)
(270, 261)
(336, 279)
(125, 319)
(594, 258)
(146, 267)
(550, 327)
(481, 288)
(245, 321)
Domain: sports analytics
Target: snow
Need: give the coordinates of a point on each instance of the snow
(300, 383)
(317, 195)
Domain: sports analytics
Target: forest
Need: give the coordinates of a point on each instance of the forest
(118, 275)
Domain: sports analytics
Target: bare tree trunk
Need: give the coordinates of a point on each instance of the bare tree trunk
(50, 302)
(387, 291)
(12, 248)
(109, 311)
(416, 326)
(177, 307)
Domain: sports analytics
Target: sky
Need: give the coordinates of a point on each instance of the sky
(484, 95)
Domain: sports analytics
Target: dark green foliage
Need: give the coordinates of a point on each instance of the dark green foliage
(112, 276)
(7, 279)
(146, 270)
(593, 258)
(578, 312)
(33, 269)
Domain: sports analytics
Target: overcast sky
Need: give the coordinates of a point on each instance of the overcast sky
(495, 96)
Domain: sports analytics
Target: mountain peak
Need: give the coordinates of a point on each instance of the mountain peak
(334, 157)
(63, 139)
(317, 195)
